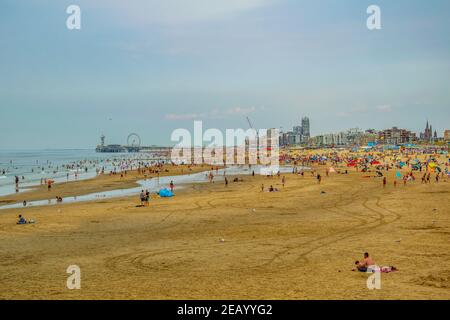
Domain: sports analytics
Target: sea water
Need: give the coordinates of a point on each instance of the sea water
(59, 165)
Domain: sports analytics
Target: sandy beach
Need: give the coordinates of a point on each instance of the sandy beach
(236, 242)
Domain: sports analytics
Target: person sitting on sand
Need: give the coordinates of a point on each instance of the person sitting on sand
(365, 263)
(21, 220)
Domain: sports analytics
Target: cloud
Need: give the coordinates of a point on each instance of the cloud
(213, 114)
(384, 108)
(240, 111)
(187, 116)
(175, 12)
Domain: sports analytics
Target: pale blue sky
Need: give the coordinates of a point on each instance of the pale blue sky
(153, 66)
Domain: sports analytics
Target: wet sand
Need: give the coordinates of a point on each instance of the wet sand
(298, 243)
(105, 182)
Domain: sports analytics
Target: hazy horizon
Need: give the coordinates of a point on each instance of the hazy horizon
(155, 66)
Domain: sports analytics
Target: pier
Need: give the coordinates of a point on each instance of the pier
(133, 146)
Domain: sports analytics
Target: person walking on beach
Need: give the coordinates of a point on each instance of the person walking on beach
(319, 178)
(171, 186)
(147, 197)
(283, 181)
(142, 197)
(384, 182)
(226, 182)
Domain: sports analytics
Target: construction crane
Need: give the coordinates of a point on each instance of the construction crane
(251, 127)
(256, 131)
(250, 123)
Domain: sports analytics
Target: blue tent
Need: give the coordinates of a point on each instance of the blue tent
(165, 193)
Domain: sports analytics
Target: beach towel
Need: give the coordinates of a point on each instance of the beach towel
(385, 269)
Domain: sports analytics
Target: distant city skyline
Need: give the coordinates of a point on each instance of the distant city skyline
(153, 66)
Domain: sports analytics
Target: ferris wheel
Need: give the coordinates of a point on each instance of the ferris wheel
(133, 140)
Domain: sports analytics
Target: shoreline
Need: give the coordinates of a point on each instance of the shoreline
(99, 183)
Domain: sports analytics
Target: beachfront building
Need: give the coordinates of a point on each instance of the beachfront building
(306, 133)
(290, 138)
(396, 136)
(299, 134)
(351, 137)
(447, 135)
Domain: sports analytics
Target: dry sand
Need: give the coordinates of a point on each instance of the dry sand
(298, 243)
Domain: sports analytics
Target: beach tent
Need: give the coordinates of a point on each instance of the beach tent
(432, 166)
(351, 163)
(165, 193)
(398, 175)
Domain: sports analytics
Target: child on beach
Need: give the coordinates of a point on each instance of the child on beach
(21, 220)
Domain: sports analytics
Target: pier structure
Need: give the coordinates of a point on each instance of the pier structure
(133, 146)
